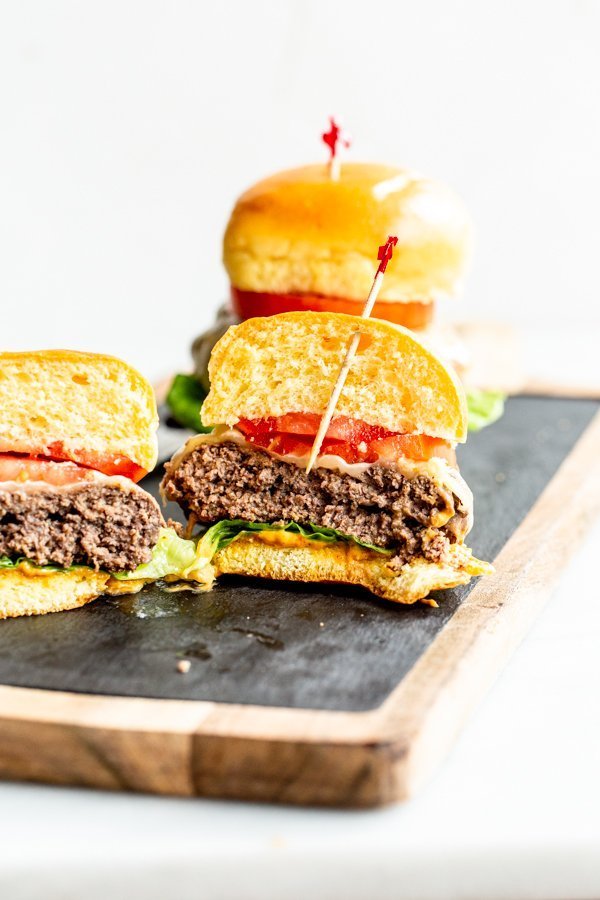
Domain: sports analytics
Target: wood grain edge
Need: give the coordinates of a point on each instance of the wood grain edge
(306, 756)
(116, 743)
(188, 748)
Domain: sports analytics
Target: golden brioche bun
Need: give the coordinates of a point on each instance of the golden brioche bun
(85, 401)
(27, 590)
(348, 564)
(289, 363)
(301, 232)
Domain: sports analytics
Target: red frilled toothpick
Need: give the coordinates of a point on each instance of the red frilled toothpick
(384, 255)
(333, 138)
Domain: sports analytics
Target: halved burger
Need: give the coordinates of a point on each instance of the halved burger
(77, 432)
(385, 506)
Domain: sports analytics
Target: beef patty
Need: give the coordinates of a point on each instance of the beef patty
(95, 525)
(383, 507)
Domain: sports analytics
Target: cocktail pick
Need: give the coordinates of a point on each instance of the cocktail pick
(334, 138)
(384, 255)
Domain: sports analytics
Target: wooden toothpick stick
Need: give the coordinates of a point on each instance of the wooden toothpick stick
(384, 255)
(332, 138)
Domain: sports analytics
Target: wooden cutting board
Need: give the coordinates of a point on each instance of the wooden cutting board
(302, 693)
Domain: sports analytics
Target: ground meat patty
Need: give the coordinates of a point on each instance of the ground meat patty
(95, 525)
(226, 481)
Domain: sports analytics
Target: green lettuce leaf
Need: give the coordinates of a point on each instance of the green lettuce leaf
(7, 563)
(223, 533)
(185, 398)
(177, 557)
(484, 407)
(188, 559)
(173, 556)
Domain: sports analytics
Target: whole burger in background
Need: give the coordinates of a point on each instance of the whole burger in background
(302, 240)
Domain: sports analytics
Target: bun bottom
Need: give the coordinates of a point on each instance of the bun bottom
(349, 564)
(27, 591)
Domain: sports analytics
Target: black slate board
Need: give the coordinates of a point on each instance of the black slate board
(290, 645)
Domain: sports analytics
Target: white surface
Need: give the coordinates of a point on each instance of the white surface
(128, 128)
(513, 812)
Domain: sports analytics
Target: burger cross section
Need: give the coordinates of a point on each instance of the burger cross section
(385, 507)
(77, 431)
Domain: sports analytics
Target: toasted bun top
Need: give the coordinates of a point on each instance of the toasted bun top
(301, 232)
(82, 401)
(289, 363)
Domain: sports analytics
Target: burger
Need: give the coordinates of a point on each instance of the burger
(384, 507)
(77, 432)
(300, 240)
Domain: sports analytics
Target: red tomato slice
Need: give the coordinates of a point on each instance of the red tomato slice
(352, 440)
(293, 423)
(413, 446)
(288, 444)
(22, 468)
(351, 453)
(297, 423)
(300, 445)
(102, 462)
(341, 428)
(247, 304)
(353, 431)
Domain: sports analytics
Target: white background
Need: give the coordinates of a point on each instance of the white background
(127, 130)
(129, 127)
